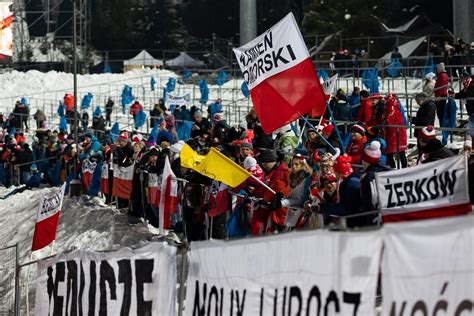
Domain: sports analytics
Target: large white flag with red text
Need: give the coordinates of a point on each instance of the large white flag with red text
(280, 75)
(122, 182)
(48, 218)
(169, 196)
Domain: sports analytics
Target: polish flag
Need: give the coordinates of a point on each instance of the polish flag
(122, 182)
(48, 218)
(169, 196)
(88, 168)
(154, 189)
(218, 199)
(280, 75)
(104, 179)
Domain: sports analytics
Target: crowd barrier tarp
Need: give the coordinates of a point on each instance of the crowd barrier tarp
(435, 189)
(428, 267)
(310, 273)
(124, 282)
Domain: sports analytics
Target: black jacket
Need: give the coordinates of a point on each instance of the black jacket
(366, 192)
(469, 95)
(425, 116)
(435, 150)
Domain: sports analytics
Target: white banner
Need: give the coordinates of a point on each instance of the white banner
(279, 48)
(125, 282)
(50, 204)
(427, 186)
(176, 101)
(311, 273)
(428, 267)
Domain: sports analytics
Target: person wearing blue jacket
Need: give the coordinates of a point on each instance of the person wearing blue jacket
(449, 118)
(91, 148)
(354, 101)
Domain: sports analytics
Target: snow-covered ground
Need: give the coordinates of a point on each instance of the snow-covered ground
(84, 223)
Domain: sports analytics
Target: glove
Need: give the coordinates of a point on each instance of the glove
(275, 203)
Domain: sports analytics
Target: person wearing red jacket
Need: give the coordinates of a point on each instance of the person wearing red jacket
(135, 108)
(69, 102)
(277, 178)
(393, 116)
(356, 146)
(365, 110)
(441, 91)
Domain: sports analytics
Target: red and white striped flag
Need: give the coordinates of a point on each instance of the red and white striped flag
(104, 179)
(280, 75)
(122, 182)
(154, 189)
(218, 199)
(48, 218)
(169, 196)
(88, 168)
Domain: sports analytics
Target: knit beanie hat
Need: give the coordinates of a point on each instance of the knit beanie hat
(372, 152)
(358, 129)
(123, 136)
(427, 132)
(328, 129)
(249, 163)
(343, 165)
(268, 156)
(246, 145)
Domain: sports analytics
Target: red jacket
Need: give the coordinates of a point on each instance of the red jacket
(393, 116)
(441, 81)
(365, 111)
(135, 108)
(355, 150)
(279, 180)
(69, 102)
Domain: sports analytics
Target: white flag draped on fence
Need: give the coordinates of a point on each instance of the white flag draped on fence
(428, 267)
(311, 273)
(122, 181)
(435, 189)
(174, 101)
(124, 282)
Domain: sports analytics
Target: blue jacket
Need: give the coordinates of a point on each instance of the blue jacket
(449, 118)
(349, 191)
(164, 136)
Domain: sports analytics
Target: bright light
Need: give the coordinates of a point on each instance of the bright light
(347, 16)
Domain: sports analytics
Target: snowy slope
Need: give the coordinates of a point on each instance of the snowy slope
(84, 224)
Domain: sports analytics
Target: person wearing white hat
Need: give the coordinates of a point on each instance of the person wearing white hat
(429, 84)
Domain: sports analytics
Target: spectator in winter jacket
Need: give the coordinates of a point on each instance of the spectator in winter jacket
(365, 109)
(354, 101)
(441, 91)
(68, 101)
(349, 202)
(434, 150)
(24, 159)
(467, 93)
(250, 164)
(85, 120)
(396, 138)
(372, 165)
(429, 84)
(426, 114)
(276, 178)
(300, 179)
(357, 144)
(164, 135)
(109, 106)
(340, 107)
(449, 119)
(377, 109)
(135, 108)
(39, 118)
(156, 114)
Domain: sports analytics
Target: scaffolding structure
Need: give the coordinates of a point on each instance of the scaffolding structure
(43, 31)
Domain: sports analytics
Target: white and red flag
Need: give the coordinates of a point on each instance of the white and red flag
(280, 75)
(169, 196)
(435, 189)
(154, 189)
(219, 199)
(48, 218)
(88, 168)
(122, 182)
(104, 179)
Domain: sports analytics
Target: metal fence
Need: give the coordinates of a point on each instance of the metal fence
(9, 280)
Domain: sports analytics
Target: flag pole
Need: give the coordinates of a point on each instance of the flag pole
(317, 132)
(333, 121)
(262, 183)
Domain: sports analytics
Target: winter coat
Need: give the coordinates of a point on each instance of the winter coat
(24, 157)
(441, 85)
(135, 108)
(428, 87)
(354, 101)
(155, 115)
(435, 151)
(349, 198)
(164, 136)
(123, 156)
(355, 150)
(449, 118)
(204, 126)
(69, 102)
(299, 194)
(109, 105)
(366, 183)
(342, 109)
(365, 111)
(425, 115)
(278, 180)
(393, 116)
(467, 93)
(39, 115)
